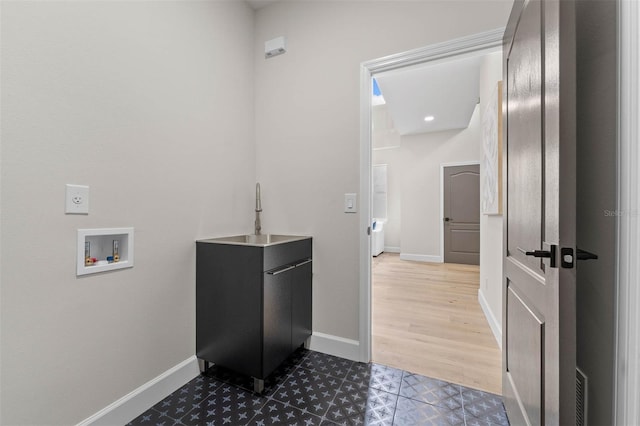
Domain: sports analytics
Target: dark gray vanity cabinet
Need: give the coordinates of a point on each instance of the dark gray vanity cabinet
(277, 319)
(253, 304)
(301, 299)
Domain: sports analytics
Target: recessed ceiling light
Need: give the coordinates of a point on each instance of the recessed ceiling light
(429, 118)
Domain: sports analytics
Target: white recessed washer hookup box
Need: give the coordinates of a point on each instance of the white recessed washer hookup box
(104, 249)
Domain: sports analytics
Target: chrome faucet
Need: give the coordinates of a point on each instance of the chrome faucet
(258, 227)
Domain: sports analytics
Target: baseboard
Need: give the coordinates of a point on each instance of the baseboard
(390, 249)
(141, 399)
(421, 258)
(335, 345)
(491, 319)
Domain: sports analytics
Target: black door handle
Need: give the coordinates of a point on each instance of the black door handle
(538, 253)
(546, 254)
(585, 255)
(447, 219)
(535, 253)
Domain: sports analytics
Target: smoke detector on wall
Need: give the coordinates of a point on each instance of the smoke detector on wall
(275, 47)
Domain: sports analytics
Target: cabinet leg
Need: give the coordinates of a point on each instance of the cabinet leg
(203, 365)
(258, 385)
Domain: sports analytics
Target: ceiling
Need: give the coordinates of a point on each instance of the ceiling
(258, 4)
(448, 91)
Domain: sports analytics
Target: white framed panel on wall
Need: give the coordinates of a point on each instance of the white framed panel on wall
(491, 201)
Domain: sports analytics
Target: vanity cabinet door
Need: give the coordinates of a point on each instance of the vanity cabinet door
(301, 303)
(276, 318)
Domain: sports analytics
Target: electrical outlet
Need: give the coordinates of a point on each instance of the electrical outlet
(77, 199)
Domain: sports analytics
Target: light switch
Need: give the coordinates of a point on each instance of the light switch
(350, 203)
(77, 199)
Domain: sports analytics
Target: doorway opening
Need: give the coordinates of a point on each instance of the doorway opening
(412, 260)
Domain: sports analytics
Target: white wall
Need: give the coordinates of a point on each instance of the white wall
(491, 255)
(307, 121)
(151, 105)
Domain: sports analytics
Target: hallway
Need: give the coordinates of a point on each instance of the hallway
(427, 319)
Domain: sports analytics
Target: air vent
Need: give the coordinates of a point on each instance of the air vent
(581, 398)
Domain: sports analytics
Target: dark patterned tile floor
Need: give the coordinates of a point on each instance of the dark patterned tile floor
(312, 388)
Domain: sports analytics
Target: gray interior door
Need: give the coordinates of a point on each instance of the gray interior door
(461, 187)
(539, 309)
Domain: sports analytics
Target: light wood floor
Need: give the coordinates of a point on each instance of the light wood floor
(427, 320)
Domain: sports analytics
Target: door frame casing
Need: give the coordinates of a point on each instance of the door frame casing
(465, 45)
(627, 368)
(442, 166)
